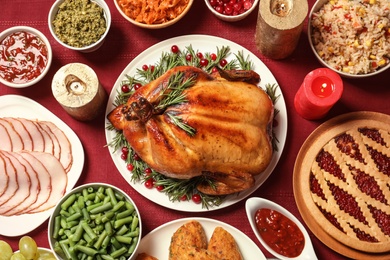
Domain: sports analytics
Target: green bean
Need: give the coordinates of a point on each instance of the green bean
(134, 223)
(66, 250)
(120, 222)
(123, 239)
(102, 208)
(100, 240)
(88, 230)
(107, 216)
(124, 214)
(75, 216)
(57, 226)
(86, 215)
(115, 243)
(117, 206)
(106, 242)
(87, 250)
(78, 233)
(134, 233)
(92, 206)
(107, 257)
(133, 245)
(90, 189)
(122, 230)
(111, 194)
(108, 228)
(68, 202)
(118, 252)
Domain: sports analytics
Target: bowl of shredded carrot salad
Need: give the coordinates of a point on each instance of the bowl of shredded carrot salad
(153, 14)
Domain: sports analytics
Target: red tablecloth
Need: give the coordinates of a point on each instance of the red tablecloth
(124, 42)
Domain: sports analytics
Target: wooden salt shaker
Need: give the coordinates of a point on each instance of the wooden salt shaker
(76, 87)
(279, 25)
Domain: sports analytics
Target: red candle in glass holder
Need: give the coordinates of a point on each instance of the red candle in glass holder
(320, 90)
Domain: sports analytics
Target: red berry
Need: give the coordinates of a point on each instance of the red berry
(204, 62)
(175, 49)
(124, 156)
(136, 157)
(188, 57)
(149, 183)
(145, 67)
(196, 198)
(130, 167)
(160, 187)
(223, 63)
(199, 55)
(183, 198)
(125, 88)
(213, 56)
(148, 171)
(137, 86)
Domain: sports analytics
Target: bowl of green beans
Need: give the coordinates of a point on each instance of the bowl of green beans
(95, 221)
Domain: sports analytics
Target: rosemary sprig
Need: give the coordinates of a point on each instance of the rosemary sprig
(173, 93)
(182, 125)
(271, 91)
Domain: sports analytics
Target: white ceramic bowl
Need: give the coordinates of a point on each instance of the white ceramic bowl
(37, 33)
(90, 48)
(154, 26)
(316, 7)
(254, 204)
(232, 18)
(95, 186)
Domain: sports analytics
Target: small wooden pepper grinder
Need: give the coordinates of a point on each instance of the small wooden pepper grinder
(279, 25)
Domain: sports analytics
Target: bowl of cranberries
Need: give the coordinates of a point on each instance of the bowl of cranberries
(231, 10)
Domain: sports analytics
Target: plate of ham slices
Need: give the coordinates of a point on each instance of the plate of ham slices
(41, 159)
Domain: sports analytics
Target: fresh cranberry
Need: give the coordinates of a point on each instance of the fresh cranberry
(175, 49)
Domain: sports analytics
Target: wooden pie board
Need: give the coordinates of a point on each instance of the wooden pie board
(309, 150)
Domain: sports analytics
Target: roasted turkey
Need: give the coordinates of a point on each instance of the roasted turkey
(231, 117)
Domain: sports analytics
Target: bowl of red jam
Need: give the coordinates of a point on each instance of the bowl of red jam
(279, 231)
(25, 56)
(231, 10)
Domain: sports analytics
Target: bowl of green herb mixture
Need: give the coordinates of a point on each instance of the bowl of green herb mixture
(80, 25)
(95, 221)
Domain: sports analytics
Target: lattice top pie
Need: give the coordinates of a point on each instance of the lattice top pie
(350, 185)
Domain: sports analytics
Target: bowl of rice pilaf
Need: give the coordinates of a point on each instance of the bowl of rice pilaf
(153, 14)
(351, 37)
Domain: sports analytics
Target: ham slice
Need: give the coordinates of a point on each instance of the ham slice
(4, 178)
(59, 180)
(5, 140)
(23, 133)
(36, 135)
(65, 158)
(23, 182)
(13, 184)
(17, 143)
(34, 188)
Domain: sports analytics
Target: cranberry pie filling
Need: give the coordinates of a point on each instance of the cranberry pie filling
(350, 183)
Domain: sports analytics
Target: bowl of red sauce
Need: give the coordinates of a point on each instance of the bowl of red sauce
(279, 231)
(25, 56)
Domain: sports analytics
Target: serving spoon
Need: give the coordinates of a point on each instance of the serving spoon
(254, 204)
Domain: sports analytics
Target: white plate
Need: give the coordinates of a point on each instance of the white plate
(19, 106)
(157, 242)
(202, 43)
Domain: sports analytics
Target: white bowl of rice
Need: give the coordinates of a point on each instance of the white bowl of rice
(351, 37)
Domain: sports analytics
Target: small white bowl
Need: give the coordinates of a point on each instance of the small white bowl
(232, 18)
(95, 186)
(90, 48)
(38, 34)
(254, 204)
(316, 7)
(155, 26)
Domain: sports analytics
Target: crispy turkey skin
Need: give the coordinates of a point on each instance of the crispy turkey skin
(232, 122)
